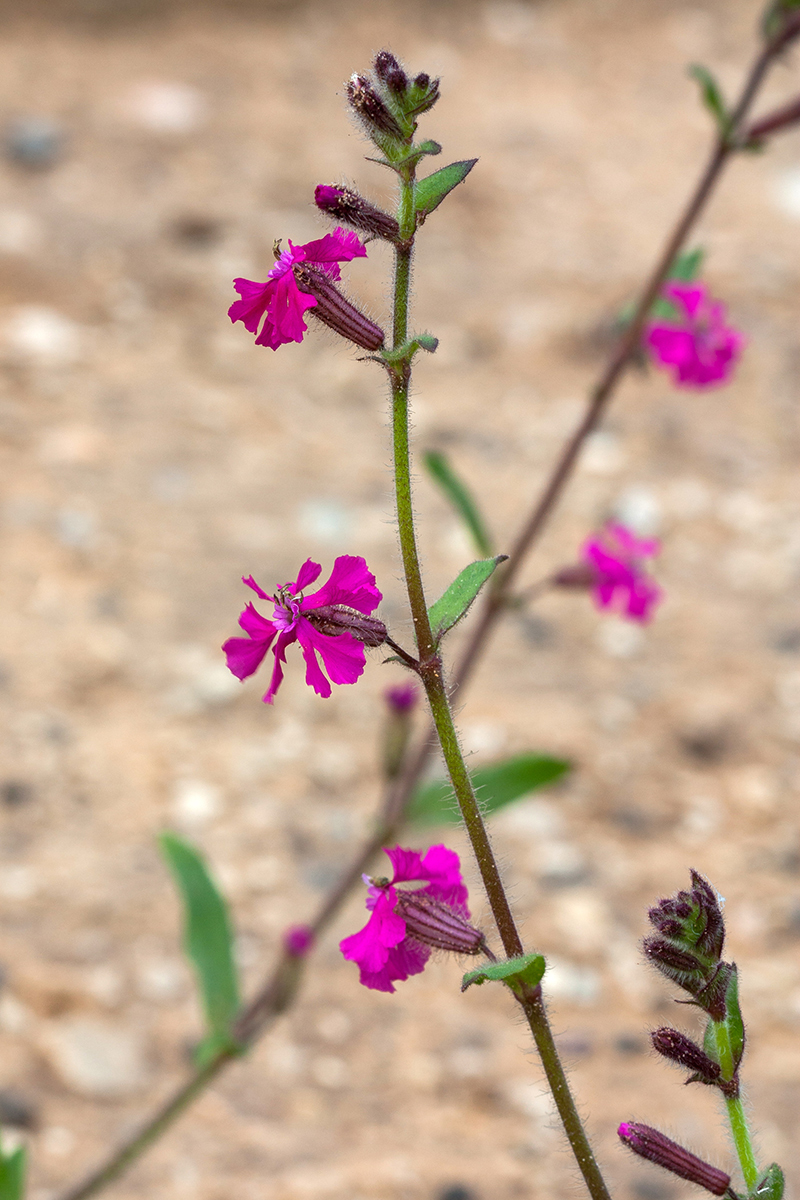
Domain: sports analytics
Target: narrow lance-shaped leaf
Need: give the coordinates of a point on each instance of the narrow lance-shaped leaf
(208, 940)
(454, 604)
(686, 266)
(431, 191)
(459, 496)
(712, 97)
(526, 969)
(496, 785)
(12, 1174)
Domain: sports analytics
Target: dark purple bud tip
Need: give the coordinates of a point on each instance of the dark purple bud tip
(670, 959)
(370, 107)
(436, 924)
(348, 206)
(658, 1148)
(389, 71)
(680, 1049)
(402, 698)
(338, 313)
(298, 940)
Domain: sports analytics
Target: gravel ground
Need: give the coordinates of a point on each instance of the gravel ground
(151, 455)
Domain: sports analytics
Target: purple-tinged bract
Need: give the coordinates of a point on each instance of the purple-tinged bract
(274, 310)
(384, 949)
(620, 582)
(351, 587)
(698, 348)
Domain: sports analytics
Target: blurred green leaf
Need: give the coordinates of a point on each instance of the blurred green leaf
(527, 968)
(712, 97)
(12, 1174)
(431, 191)
(460, 497)
(686, 266)
(771, 1184)
(208, 940)
(496, 785)
(455, 603)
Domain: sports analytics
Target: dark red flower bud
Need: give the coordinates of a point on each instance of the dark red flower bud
(346, 205)
(580, 575)
(370, 107)
(333, 619)
(437, 924)
(402, 698)
(423, 95)
(658, 1148)
(389, 71)
(669, 958)
(336, 312)
(680, 1049)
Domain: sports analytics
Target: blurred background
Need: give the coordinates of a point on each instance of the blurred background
(152, 455)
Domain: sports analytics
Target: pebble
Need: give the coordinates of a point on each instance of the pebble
(42, 336)
(165, 107)
(34, 142)
(195, 803)
(95, 1057)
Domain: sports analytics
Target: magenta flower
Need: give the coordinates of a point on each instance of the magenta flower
(698, 348)
(614, 556)
(386, 949)
(279, 300)
(323, 623)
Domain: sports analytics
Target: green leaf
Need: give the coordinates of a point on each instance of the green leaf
(454, 604)
(733, 1018)
(208, 940)
(527, 969)
(459, 496)
(686, 266)
(770, 1186)
(431, 191)
(426, 341)
(496, 785)
(712, 97)
(12, 1174)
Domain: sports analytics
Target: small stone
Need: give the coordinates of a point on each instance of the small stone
(17, 1110)
(42, 336)
(95, 1057)
(34, 142)
(165, 107)
(195, 802)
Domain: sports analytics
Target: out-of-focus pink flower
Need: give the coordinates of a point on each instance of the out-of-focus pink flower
(615, 557)
(322, 623)
(279, 302)
(384, 949)
(698, 348)
(401, 698)
(298, 940)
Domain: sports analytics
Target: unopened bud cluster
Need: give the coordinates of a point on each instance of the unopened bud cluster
(688, 945)
(387, 103)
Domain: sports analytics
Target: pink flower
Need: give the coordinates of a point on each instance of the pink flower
(323, 623)
(401, 698)
(615, 557)
(280, 300)
(298, 940)
(699, 348)
(384, 949)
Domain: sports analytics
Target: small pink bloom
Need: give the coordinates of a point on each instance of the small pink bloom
(699, 348)
(620, 583)
(401, 698)
(298, 940)
(279, 301)
(351, 585)
(383, 949)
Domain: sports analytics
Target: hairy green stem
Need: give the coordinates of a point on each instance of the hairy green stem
(736, 1114)
(432, 677)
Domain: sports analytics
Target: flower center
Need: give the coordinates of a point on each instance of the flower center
(287, 609)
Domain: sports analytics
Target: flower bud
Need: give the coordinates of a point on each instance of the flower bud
(437, 924)
(336, 312)
(658, 1148)
(400, 701)
(333, 619)
(371, 109)
(298, 940)
(423, 94)
(580, 575)
(779, 118)
(346, 205)
(389, 71)
(402, 698)
(680, 1049)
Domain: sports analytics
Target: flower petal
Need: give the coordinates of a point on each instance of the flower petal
(279, 650)
(251, 583)
(342, 656)
(245, 655)
(252, 622)
(284, 319)
(306, 575)
(308, 639)
(255, 298)
(351, 582)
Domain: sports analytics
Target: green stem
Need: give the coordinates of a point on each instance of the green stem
(736, 1114)
(431, 673)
